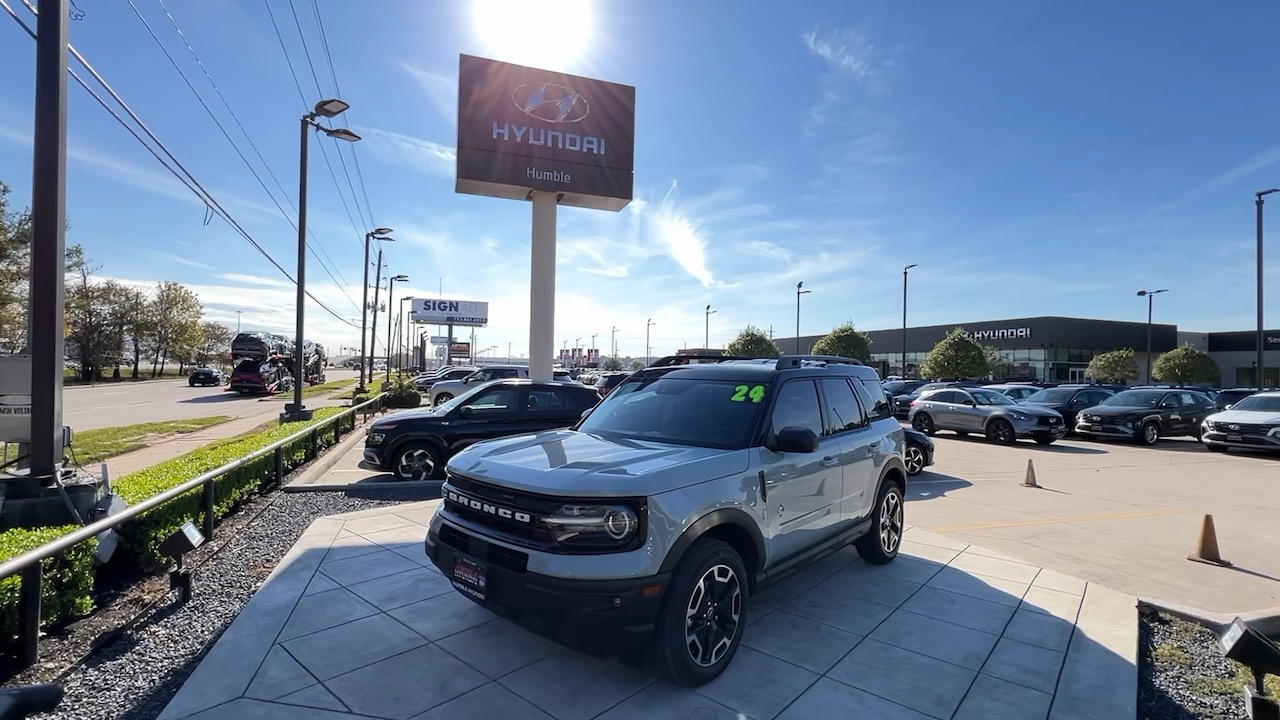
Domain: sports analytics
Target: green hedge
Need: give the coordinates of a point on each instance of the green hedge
(141, 537)
(68, 578)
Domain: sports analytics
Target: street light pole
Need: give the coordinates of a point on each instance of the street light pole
(904, 319)
(799, 292)
(238, 314)
(1149, 295)
(706, 337)
(613, 341)
(1261, 331)
(381, 235)
(647, 347)
(593, 343)
(391, 289)
(402, 329)
(325, 108)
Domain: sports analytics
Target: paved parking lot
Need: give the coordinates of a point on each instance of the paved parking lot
(1109, 512)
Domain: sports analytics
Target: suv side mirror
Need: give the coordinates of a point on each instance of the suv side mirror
(466, 410)
(971, 403)
(793, 439)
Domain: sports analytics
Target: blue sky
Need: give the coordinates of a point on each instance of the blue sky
(1032, 158)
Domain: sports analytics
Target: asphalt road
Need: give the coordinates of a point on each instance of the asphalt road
(112, 404)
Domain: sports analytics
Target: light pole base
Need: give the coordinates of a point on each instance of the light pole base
(296, 413)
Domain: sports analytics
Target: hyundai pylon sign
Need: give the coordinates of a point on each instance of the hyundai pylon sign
(469, 313)
(521, 129)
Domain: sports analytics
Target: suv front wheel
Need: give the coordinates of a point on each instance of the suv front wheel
(703, 614)
(881, 543)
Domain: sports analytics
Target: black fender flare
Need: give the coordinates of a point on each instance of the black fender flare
(716, 518)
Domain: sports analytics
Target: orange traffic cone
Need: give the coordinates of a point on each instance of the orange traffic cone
(1030, 480)
(1207, 549)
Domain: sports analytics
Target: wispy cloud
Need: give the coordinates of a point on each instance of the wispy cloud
(181, 260)
(424, 156)
(846, 51)
(1259, 161)
(257, 280)
(683, 236)
(441, 90)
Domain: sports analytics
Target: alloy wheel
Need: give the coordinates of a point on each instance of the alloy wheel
(923, 423)
(1002, 433)
(914, 458)
(890, 521)
(415, 464)
(1150, 433)
(712, 615)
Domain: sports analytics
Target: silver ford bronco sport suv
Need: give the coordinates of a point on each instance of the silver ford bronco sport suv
(645, 530)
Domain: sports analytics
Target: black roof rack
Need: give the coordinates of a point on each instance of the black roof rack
(694, 358)
(795, 361)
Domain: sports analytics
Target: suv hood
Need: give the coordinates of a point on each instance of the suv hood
(1247, 417)
(1033, 410)
(571, 463)
(425, 413)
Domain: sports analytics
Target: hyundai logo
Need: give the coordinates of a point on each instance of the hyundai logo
(550, 102)
(1233, 427)
(484, 507)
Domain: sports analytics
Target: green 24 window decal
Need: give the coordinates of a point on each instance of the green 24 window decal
(742, 392)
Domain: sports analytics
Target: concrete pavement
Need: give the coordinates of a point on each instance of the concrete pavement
(356, 622)
(127, 403)
(1114, 513)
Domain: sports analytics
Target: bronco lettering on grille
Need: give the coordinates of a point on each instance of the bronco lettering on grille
(486, 507)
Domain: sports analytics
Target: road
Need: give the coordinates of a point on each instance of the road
(113, 404)
(1114, 513)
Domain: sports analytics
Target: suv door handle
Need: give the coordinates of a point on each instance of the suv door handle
(829, 461)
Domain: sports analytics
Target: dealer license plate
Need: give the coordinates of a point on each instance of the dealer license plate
(469, 576)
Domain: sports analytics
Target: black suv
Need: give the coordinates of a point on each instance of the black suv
(416, 444)
(1069, 400)
(1147, 414)
(205, 376)
(1230, 396)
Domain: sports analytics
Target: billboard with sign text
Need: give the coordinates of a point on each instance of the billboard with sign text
(467, 313)
(523, 129)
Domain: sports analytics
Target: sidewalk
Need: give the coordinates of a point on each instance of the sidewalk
(356, 622)
(177, 445)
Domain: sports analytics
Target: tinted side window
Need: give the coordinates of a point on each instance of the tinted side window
(797, 406)
(550, 400)
(869, 389)
(945, 396)
(843, 412)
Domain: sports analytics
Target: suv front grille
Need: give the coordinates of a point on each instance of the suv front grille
(513, 514)
(1243, 428)
(1049, 421)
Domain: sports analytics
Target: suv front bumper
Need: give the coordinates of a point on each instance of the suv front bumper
(588, 615)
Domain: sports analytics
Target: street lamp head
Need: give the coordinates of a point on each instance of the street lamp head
(1260, 193)
(331, 107)
(342, 134)
(382, 231)
(799, 285)
(1142, 293)
(909, 267)
(399, 278)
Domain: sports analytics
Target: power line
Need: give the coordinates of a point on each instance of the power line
(189, 181)
(330, 268)
(234, 146)
(303, 96)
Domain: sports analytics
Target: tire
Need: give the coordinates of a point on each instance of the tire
(999, 431)
(923, 423)
(1216, 448)
(443, 398)
(191, 383)
(417, 461)
(881, 544)
(1149, 433)
(709, 564)
(914, 458)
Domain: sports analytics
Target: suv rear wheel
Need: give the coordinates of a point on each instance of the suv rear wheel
(703, 614)
(881, 543)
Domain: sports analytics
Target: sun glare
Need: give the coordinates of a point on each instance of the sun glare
(551, 36)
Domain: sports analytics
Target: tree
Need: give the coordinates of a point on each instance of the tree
(1118, 366)
(175, 323)
(138, 327)
(215, 339)
(636, 365)
(15, 263)
(94, 319)
(612, 363)
(845, 341)
(753, 342)
(957, 355)
(1186, 366)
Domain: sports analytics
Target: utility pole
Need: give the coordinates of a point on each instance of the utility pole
(373, 324)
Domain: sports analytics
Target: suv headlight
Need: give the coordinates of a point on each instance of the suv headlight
(593, 526)
(1023, 417)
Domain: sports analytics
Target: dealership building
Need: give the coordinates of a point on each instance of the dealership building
(1058, 349)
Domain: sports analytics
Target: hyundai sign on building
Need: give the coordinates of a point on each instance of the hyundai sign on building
(521, 129)
(428, 311)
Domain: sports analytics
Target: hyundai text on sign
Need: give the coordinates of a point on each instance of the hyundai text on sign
(523, 129)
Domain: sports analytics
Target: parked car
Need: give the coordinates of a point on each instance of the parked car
(1068, 400)
(1228, 397)
(978, 410)
(416, 444)
(902, 403)
(206, 376)
(607, 382)
(425, 382)
(446, 390)
(1015, 392)
(918, 453)
(646, 525)
(1252, 423)
(1146, 415)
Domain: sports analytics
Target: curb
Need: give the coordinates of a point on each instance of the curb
(379, 485)
(325, 462)
(1266, 621)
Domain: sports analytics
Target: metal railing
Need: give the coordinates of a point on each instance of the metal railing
(28, 564)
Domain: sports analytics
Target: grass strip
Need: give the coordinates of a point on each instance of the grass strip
(94, 446)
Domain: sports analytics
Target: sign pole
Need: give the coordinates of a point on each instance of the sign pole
(542, 286)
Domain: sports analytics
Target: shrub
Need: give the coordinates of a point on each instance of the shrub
(67, 582)
(403, 394)
(140, 538)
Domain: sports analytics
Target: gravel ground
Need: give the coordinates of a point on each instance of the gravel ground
(1183, 675)
(134, 676)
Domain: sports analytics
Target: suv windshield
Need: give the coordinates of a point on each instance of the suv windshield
(1054, 396)
(1136, 398)
(704, 413)
(1259, 403)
